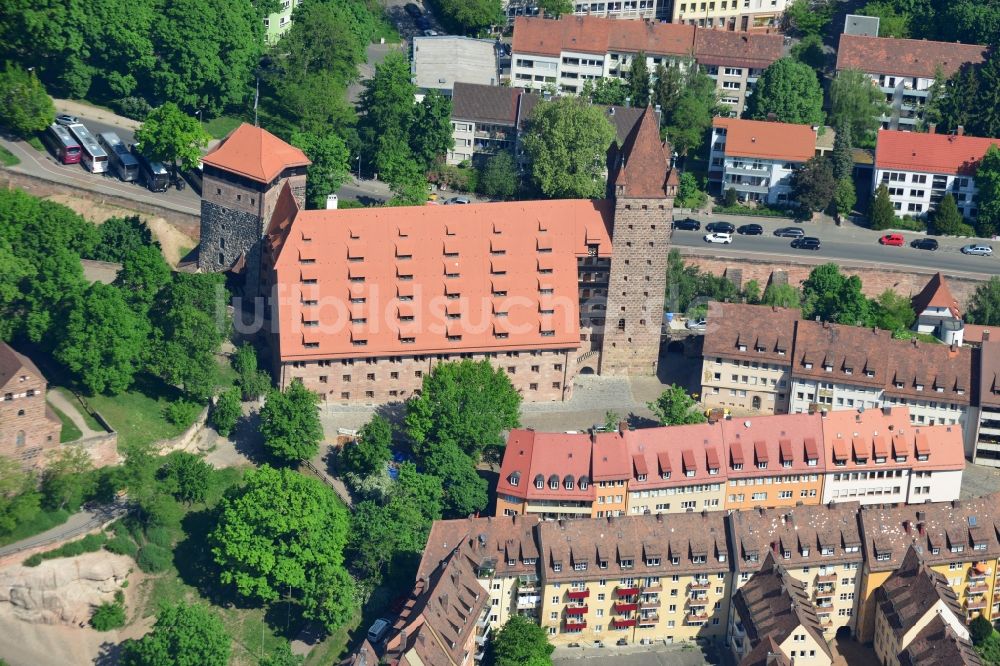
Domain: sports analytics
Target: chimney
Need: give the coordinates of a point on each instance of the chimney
(659, 517)
(622, 426)
(331, 202)
(920, 528)
(931, 128)
(960, 130)
(986, 335)
(906, 526)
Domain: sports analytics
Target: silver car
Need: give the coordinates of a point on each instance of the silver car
(978, 249)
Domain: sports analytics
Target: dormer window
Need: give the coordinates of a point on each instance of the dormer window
(568, 483)
(848, 371)
(828, 368)
(713, 471)
(737, 467)
(742, 347)
(514, 478)
(557, 566)
(579, 566)
(826, 550)
(786, 463)
(652, 561)
(812, 462)
(869, 373)
(528, 561)
(689, 472)
(602, 564)
(805, 551)
(640, 477)
(554, 484)
(539, 482)
(751, 556)
(935, 550)
(922, 457)
(920, 387)
(627, 563)
(759, 349)
(898, 385)
(762, 465)
(787, 554)
(957, 548)
(584, 483)
(698, 559)
(675, 560)
(809, 366)
(665, 475)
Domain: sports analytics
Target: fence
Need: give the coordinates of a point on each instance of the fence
(325, 478)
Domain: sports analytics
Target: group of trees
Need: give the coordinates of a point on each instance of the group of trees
(965, 21)
(25, 107)
(788, 91)
(149, 320)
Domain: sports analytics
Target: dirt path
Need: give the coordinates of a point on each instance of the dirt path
(60, 402)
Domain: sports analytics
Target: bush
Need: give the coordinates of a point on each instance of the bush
(135, 108)
(122, 545)
(759, 211)
(908, 224)
(160, 536)
(88, 544)
(454, 177)
(181, 413)
(108, 616)
(154, 559)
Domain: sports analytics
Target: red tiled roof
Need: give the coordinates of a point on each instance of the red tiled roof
(546, 456)
(644, 160)
(905, 57)
(676, 449)
(774, 440)
(364, 260)
(590, 34)
(255, 153)
(611, 459)
(13, 363)
(768, 140)
(736, 49)
(930, 153)
(936, 294)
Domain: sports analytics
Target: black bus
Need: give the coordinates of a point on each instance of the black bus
(154, 174)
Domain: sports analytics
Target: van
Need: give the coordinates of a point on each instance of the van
(154, 174)
(377, 631)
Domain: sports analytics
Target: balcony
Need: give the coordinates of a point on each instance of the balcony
(622, 624)
(702, 584)
(746, 187)
(696, 619)
(575, 625)
(975, 604)
(619, 607)
(481, 640)
(977, 589)
(820, 605)
(649, 620)
(484, 622)
(480, 655)
(626, 591)
(748, 170)
(824, 593)
(649, 605)
(576, 595)
(576, 610)
(979, 571)
(652, 589)
(527, 602)
(831, 578)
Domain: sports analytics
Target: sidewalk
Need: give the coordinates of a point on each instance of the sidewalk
(71, 410)
(77, 525)
(75, 108)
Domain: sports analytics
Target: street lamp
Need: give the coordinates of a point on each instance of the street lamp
(359, 167)
(199, 115)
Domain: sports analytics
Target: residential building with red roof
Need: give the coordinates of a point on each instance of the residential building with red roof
(875, 456)
(904, 70)
(938, 313)
(920, 168)
(757, 158)
(569, 51)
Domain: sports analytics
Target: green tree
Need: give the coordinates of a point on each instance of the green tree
(555, 8)
(881, 214)
(731, 197)
(984, 306)
(855, 101)
(191, 323)
(751, 292)
(68, 479)
(253, 383)
(843, 153)
(471, 16)
(102, 340)
(108, 616)
(947, 219)
(689, 195)
(498, 176)
(282, 656)
(170, 136)
(676, 407)
(832, 296)
(980, 629)
(936, 95)
(19, 500)
(282, 533)
(25, 107)
(227, 411)
(185, 476)
(330, 166)
(688, 119)
(611, 420)
(638, 80)
(893, 312)
(371, 451)
(521, 642)
(809, 17)
(605, 91)
(790, 91)
(431, 131)
(183, 635)
(143, 274)
(891, 21)
(781, 295)
(290, 423)
(809, 50)
(465, 403)
(120, 237)
(567, 142)
(988, 195)
(813, 185)
(844, 196)
(465, 492)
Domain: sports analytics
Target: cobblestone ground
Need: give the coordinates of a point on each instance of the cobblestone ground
(979, 480)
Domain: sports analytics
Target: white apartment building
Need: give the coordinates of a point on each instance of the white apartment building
(918, 169)
(757, 158)
(904, 70)
(732, 15)
(987, 425)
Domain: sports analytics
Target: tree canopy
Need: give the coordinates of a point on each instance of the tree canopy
(371, 451)
(809, 17)
(470, 16)
(832, 296)
(521, 642)
(813, 185)
(170, 136)
(567, 141)
(289, 422)
(465, 492)
(25, 107)
(984, 307)
(988, 195)
(688, 102)
(676, 407)
(858, 104)
(183, 635)
(638, 81)
(330, 166)
(881, 214)
(283, 532)
(498, 178)
(788, 90)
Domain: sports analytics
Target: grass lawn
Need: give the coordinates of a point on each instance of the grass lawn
(45, 520)
(87, 416)
(387, 31)
(69, 432)
(8, 158)
(219, 127)
(138, 414)
(36, 143)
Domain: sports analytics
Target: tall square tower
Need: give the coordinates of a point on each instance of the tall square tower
(643, 188)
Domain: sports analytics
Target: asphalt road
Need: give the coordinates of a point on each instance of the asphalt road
(848, 244)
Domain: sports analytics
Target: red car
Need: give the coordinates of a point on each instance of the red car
(892, 239)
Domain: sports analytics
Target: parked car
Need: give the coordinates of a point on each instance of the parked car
(895, 240)
(719, 237)
(66, 119)
(720, 227)
(458, 200)
(806, 243)
(750, 229)
(978, 249)
(924, 244)
(789, 232)
(413, 10)
(695, 324)
(687, 224)
(378, 630)
(430, 33)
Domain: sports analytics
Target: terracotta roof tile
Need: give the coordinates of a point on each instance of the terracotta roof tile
(643, 161)
(765, 332)
(905, 57)
(736, 49)
(936, 294)
(485, 104)
(255, 153)
(989, 373)
(912, 591)
(483, 541)
(768, 140)
(590, 34)
(937, 644)
(13, 363)
(930, 153)
(768, 439)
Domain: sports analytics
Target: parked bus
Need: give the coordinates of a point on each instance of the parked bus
(154, 174)
(93, 156)
(62, 144)
(122, 161)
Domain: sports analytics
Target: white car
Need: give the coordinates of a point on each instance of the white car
(696, 324)
(719, 238)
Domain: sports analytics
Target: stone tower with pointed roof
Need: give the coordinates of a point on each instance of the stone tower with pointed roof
(643, 186)
(243, 176)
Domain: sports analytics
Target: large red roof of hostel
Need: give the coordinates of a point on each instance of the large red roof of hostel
(591, 34)
(851, 436)
(677, 450)
(930, 153)
(255, 153)
(774, 440)
(433, 279)
(905, 57)
(767, 140)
